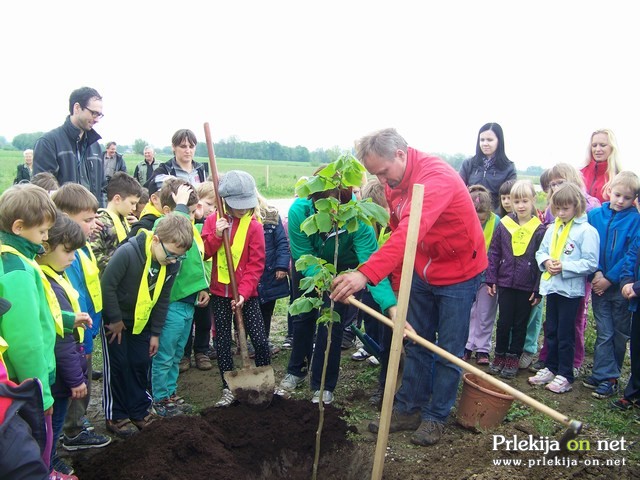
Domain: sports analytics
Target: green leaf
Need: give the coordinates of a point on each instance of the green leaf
(323, 205)
(352, 225)
(307, 284)
(309, 226)
(373, 212)
(301, 305)
(323, 222)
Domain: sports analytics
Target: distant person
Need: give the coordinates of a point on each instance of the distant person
(490, 166)
(449, 262)
(113, 161)
(26, 169)
(602, 164)
(71, 152)
(145, 168)
(182, 165)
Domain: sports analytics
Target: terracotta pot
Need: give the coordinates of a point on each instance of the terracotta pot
(481, 406)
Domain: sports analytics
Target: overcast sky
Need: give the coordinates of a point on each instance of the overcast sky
(321, 74)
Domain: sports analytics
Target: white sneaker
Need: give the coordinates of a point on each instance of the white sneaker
(291, 382)
(360, 355)
(327, 397)
(542, 377)
(227, 399)
(373, 361)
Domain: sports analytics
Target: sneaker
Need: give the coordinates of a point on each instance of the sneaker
(184, 365)
(526, 359)
(291, 382)
(510, 369)
(624, 404)
(559, 385)
(165, 408)
(372, 360)
(122, 428)
(146, 421)
(212, 353)
(360, 355)
(482, 358)
(288, 342)
(227, 399)
(54, 475)
(606, 389)
(85, 439)
(498, 363)
(543, 377)
(399, 422)
(347, 342)
(273, 348)
(61, 466)
(590, 383)
(576, 372)
(467, 355)
(203, 362)
(537, 366)
(428, 433)
(327, 397)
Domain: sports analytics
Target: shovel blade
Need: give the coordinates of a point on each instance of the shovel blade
(252, 386)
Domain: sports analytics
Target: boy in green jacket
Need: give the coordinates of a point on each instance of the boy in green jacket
(26, 214)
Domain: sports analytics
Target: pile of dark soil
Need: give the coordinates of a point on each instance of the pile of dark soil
(239, 442)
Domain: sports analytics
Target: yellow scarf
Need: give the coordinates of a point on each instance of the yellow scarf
(383, 236)
(91, 277)
(49, 294)
(521, 235)
(558, 242)
(145, 303)
(237, 248)
(122, 228)
(72, 294)
(149, 209)
(487, 229)
(199, 243)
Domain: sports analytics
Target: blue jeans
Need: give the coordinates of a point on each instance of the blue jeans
(429, 382)
(60, 405)
(166, 364)
(613, 327)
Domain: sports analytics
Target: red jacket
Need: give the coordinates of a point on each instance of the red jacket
(595, 176)
(451, 243)
(251, 263)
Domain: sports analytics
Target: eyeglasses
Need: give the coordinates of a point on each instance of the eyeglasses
(94, 114)
(172, 256)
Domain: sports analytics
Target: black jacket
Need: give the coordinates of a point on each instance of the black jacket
(121, 281)
(71, 158)
(473, 173)
(120, 165)
(168, 168)
(23, 174)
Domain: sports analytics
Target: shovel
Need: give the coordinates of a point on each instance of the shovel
(251, 385)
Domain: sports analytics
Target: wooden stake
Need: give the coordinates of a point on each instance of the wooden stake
(398, 330)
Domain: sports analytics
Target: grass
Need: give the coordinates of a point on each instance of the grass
(274, 179)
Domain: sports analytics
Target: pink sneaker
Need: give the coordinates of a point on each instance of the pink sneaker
(559, 385)
(542, 377)
(61, 476)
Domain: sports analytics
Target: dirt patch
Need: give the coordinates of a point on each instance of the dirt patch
(237, 442)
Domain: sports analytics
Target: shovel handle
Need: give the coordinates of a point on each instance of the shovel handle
(574, 425)
(226, 235)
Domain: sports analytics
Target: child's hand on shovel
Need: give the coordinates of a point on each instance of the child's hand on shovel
(237, 304)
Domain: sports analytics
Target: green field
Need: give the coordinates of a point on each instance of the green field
(282, 176)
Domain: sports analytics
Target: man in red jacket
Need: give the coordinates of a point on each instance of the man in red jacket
(450, 257)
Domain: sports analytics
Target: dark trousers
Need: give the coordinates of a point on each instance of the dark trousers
(515, 309)
(223, 316)
(632, 392)
(21, 454)
(60, 406)
(126, 376)
(200, 336)
(560, 334)
(267, 312)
